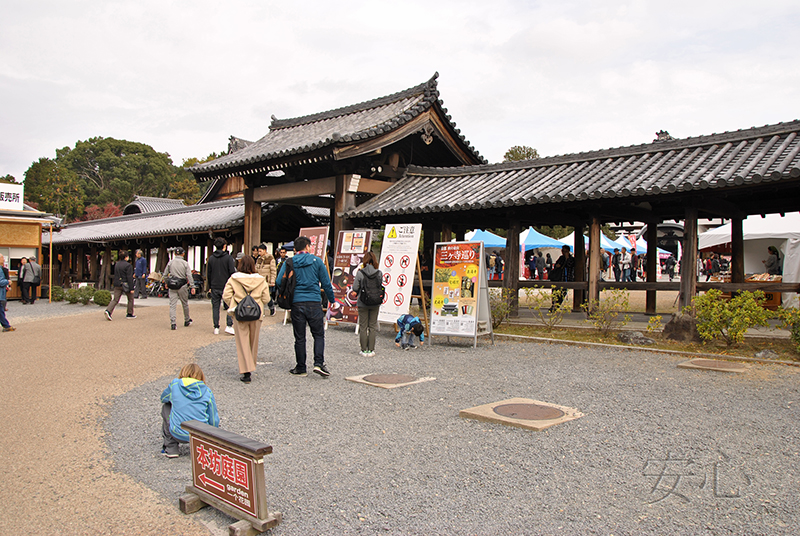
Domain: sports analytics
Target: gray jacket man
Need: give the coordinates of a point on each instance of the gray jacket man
(179, 268)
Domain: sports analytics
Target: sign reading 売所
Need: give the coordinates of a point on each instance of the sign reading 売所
(11, 196)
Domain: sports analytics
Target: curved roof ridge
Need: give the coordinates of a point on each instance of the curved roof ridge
(429, 87)
(629, 150)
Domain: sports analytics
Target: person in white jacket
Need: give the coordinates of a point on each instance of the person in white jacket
(625, 265)
(246, 281)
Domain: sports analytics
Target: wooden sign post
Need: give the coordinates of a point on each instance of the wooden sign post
(228, 474)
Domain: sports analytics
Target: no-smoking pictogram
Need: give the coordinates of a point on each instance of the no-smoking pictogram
(398, 299)
(405, 261)
(388, 261)
(387, 278)
(385, 299)
(401, 280)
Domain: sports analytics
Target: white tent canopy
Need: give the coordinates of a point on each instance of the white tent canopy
(760, 233)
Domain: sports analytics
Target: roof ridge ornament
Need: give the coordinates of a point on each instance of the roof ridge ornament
(427, 134)
(663, 135)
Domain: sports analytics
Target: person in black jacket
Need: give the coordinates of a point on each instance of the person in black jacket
(220, 268)
(123, 284)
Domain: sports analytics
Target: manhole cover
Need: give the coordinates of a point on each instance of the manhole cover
(716, 364)
(529, 412)
(389, 378)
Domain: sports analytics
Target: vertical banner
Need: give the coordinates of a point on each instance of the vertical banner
(350, 249)
(398, 265)
(319, 240)
(457, 272)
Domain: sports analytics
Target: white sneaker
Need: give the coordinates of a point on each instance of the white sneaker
(216, 331)
(229, 330)
(362, 353)
(370, 354)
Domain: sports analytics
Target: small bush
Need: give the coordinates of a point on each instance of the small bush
(790, 319)
(541, 304)
(57, 293)
(72, 295)
(604, 315)
(728, 320)
(102, 297)
(85, 294)
(501, 304)
(654, 325)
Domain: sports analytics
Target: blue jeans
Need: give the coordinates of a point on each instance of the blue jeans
(626, 275)
(3, 321)
(216, 300)
(308, 313)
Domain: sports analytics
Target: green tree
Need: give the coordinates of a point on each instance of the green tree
(184, 186)
(556, 231)
(115, 171)
(52, 188)
(520, 152)
(9, 179)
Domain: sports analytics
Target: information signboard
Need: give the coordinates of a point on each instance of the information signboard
(225, 474)
(11, 196)
(460, 292)
(319, 240)
(398, 265)
(350, 249)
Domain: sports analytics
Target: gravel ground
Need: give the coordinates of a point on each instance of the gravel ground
(354, 459)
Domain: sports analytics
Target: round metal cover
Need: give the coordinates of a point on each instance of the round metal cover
(389, 378)
(716, 364)
(529, 412)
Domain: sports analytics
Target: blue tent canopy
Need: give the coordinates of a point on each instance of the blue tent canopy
(533, 239)
(490, 240)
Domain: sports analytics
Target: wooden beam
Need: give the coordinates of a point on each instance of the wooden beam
(737, 251)
(594, 262)
(344, 201)
(325, 202)
(372, 186)
(689, 259)
(293, 190)
(511, 271)
(652, 267)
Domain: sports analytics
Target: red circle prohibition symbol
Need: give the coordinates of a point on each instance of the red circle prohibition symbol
(405, 261)
(388, 261)
(398, 299)
(385, 299)
(387, 278)
(401, 280)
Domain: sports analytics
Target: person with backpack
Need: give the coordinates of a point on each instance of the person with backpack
(305, 274)
(368, 284)
(178, 277)
(219, 268)
(246, 288)
(123, 284)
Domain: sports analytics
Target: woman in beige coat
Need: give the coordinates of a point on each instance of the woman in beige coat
(246, 281)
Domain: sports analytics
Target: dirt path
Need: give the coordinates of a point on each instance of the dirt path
(56, 376)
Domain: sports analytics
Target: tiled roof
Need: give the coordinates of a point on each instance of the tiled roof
(142, 204)
(717, 161)
(342, 126)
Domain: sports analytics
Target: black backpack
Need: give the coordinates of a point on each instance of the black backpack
(248, 310)
(285, 294)
(372, 291)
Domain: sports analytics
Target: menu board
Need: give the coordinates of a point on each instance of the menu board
(456, 272)
(350, 249)
(319, 240)
(398, 265)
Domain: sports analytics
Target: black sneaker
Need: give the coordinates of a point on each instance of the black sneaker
(245, 377)
(169, 454)
(321, 370)
(405, 347)
(174, 327)
(297, 371)
(272, 311)
(187, 323)
(130, 316)
(108, 315)
(412, 345)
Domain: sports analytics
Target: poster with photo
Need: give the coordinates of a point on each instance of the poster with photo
(350, 249)
(319, 240)
(398, 265)
(454, 293)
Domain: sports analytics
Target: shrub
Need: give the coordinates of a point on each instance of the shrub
(501, 304)
(790, 319)
(541, 304)
(72, 295)
(85, 294)
(654, 325)
(718, 318)
(102, 297)
(57, 293)
(604, 315)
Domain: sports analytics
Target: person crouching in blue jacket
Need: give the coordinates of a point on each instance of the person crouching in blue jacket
(408, 327)
(186, 398)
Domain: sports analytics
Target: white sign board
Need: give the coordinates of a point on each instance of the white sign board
(398, 265)
(11, 196)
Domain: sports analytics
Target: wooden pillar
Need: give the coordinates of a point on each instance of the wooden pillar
(81, 262)
(344, 200)
(447, 232)
(652, 266)
(580, 267)
(511, 270)
(210, 248)
(107, 268)
(594, 262)
(161, 258)
(737, 251)
(689, 259)
(430, 236)
(252, 220)
(65, 262)
(94, 265)
(237, 246)
(460, 232)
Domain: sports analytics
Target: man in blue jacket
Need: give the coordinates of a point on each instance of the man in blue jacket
(310, 273)
(140, 276)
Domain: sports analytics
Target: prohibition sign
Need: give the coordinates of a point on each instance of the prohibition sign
(404, 261)
(389, 261)
(387, 278)
(398, 299)
(401, 280)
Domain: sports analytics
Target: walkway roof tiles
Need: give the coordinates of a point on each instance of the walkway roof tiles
(142, 204)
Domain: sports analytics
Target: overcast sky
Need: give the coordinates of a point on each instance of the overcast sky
(560, 76)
